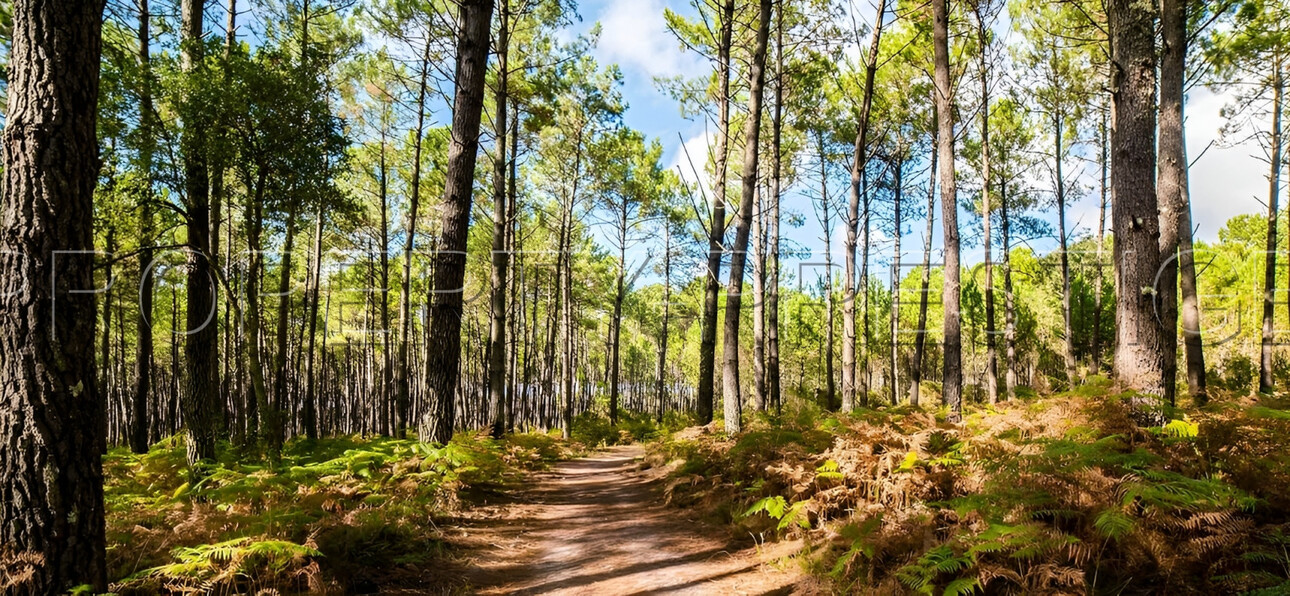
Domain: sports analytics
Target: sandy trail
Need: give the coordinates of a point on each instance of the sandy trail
(597, 526)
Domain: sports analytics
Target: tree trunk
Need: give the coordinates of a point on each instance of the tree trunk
(501, 258)
(716, 227)
(253, 221)
(987, 212)
(1270, 255)
(858, 165)
(1010, 302)
(1068, 327)
(759, 301)
(772, 297)
(444, 357)
(309, 409)
(894, 369)
(660, 384)
(830, 390)
(616, 323)
(953, 371)
(200, 401)
(54, 418)
(402, 389)
(1103, 163)
(1138, 351)
(143, 325)
(920, 340)
(732, 395)
(281, 395)
(1175, 208)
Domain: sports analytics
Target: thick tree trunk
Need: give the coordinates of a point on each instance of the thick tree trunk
(450, 262)
(716, 227)
(952, 384)
(51, 410)
(1138, 351)
(859, 163)
(501, 258)
(200, 401)
(143, 325)
(732, 394)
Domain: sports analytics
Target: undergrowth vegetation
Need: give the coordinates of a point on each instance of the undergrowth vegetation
(1059, 495)
(344, 515)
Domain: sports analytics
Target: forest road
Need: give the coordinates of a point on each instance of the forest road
(597, 525)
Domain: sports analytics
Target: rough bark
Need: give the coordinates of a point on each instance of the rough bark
(444, 356)
(1175, 207)
(732, 394)
(51, 410)
(772, 296)
(1266, 382)
(859, 163)
(716, 227)
(953, 369)
(200, 400)
(501, 258)
(1138, 350)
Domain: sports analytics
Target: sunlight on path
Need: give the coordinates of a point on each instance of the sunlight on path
(596, 526)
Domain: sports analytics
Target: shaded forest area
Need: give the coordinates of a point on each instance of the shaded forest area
(290, 286)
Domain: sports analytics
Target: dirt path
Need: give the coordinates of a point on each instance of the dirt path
(597, 526)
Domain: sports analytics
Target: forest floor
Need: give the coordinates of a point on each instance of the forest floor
(598, 525)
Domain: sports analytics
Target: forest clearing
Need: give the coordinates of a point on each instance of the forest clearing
(644, 296)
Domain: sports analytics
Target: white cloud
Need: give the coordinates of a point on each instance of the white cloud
(690, 160)
(1225, 181)
(635, 36)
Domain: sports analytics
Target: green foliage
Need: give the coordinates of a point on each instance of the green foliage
(340, 511)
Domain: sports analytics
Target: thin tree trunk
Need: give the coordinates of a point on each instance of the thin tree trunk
(660, 384)
(1175, 200)
(732, 395)
(920, 340)
(1270, 255)
(1103, 163)
(501, 259)
(54, 418)
(716, 227)
(830, 391)
(987, 212)
(1010, 303)
(952, 384)
(772, 305)
(281, 395)
(402, 385)
(759, 301)
(143, 325)
(1068, 328)
(894, 370)
(859, 164)
(309, 409)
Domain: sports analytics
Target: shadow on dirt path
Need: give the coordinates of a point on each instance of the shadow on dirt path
(596, 526)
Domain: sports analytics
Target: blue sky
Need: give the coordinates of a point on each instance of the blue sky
(1226, 181)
